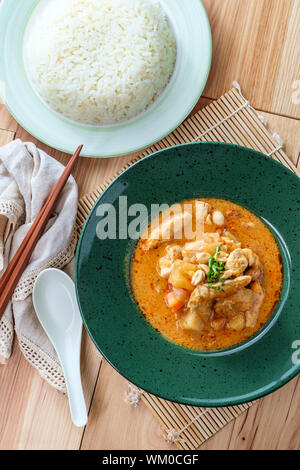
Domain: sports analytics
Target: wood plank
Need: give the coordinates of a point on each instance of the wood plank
(32, 414)
(7, 122)
(115, 425)
(256, 43)
(6, 137)
(278, 415)
(289, 131)
(273, 424)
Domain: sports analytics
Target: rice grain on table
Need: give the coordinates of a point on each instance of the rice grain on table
(100, 61)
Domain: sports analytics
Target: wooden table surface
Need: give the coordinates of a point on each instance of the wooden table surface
(255, 42)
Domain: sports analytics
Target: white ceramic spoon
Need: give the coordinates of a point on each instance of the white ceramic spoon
(55, 303)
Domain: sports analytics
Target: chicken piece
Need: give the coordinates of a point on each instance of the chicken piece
(197, 258)
(223, 256)
(193, 247)
(255, 267)
(251, 318)
(239, 260)
(206, 292)
(245, 302)
(200, 251)
(256, 272)
(202, 307)
(236, 263)
(165, 264)
(240, 302)
(164, 267)
(170, 229)
(203, 296)
(218, 323)
(202, 215)
(231, 241)
(173, 252)
(202, 211)
(201, 245)
(251, 256)
(230, 237)
(252, 315)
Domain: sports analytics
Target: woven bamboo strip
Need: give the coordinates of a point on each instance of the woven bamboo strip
(223, 134)
(266, 136)
(243, 128)
(192, 432)
(253, 134)
(265, 145)
(244, 135)
(156, 412)
(204, 425)
(167, 421)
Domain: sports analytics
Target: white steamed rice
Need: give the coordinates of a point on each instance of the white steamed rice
(100, 61)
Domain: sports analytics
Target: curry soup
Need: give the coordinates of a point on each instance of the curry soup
(212, 292)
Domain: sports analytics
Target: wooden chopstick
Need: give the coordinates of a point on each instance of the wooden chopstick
(22, 256)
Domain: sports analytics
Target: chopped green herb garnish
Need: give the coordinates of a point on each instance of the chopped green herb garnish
(218, 251)
(216, 269)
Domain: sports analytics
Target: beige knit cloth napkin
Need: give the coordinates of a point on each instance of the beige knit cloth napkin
(27, 176)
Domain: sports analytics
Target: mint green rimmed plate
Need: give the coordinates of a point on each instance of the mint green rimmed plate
(118, 328)
(192, 30)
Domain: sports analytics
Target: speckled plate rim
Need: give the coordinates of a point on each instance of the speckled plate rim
(161, 119)
(293, 371)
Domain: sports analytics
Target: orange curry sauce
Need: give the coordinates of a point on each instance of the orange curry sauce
(253, 234)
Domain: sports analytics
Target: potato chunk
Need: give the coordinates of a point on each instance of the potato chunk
(191, 321)
(237, 322)
(218, 324)
(181, 275)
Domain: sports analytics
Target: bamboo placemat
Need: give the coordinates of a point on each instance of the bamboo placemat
(229, 119)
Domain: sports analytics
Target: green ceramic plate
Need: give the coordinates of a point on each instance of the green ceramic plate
(119, 329)
(192, 30)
